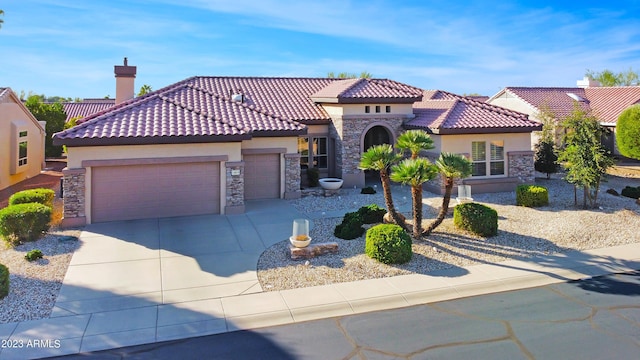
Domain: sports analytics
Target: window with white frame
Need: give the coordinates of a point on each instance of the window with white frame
(487, 159)
(22, 148)
(314, 152)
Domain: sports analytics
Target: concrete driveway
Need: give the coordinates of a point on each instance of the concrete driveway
(133, 264)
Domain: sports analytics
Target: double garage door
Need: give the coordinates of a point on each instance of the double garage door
(154, 190)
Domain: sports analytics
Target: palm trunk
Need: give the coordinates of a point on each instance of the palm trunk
(388, 199)
(448, 188)
(416, 195)
(585, 194)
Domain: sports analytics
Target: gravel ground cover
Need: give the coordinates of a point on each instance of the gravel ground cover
(522, 232)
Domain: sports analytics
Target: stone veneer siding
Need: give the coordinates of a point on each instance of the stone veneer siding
(521, 166)
(73, 187)
(292, 176)
(234, 187)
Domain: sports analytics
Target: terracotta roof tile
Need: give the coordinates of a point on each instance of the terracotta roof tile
(445, 113)
(558, 100)
(86, 107)
(608, 103)
(367, 90)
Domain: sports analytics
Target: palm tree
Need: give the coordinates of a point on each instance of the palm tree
(414, 141)
(451, 167)
(415, 172)
(380, 158)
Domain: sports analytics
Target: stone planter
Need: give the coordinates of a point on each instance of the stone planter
(330, 183)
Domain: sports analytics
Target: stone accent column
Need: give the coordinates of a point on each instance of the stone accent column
(234, 187)
(521, 166)
(73, 187)
(292, 176)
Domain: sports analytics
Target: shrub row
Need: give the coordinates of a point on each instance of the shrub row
(4, 281)
(531, 196)
(28, 215)
(476, 218)
(40, 196)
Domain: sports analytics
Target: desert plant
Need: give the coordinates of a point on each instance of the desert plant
(371, 214)
(34, 254)
(350, 227)
(532, 196)
(476, 218)
(368, 190)
(389, 244)
(628, 132)
(40, 196)
(4, 281)
(631, 192)
(26, 222)
(313, 175)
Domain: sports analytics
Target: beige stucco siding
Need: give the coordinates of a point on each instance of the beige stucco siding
(15, 117)
(461, 144)
(358, 109)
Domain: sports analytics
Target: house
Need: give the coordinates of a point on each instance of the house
(21, 141)
(86, 107)
(606, 103)
(208, 144)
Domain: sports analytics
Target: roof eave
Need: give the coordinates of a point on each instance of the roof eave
(380, 100)
(489, 130)
(150, 140)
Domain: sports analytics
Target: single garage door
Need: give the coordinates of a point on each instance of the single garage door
(158, 190)
(261, 176)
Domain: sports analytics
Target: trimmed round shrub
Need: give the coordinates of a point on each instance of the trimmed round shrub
(631, 192)
(34, 254)
(368, 190)
(532, 196)
(476, 218)
(350, 228)
(389, 244)
(4, 281)
(371, 214)
(24, 222)
(40, 196)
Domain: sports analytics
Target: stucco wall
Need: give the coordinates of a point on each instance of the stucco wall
(11, 111)
(359, 109)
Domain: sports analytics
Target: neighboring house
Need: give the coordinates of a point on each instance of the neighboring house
(208, 144)
(86, 107)
(606, 103)
(21, 141)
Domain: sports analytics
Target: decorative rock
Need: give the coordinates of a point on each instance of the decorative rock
(328, 192)
(313, 250)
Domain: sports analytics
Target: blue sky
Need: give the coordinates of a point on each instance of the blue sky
(69, 47)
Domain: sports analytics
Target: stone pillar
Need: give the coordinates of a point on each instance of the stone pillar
(73, 186)
(292, 176)
(234, 187)
(521, 166)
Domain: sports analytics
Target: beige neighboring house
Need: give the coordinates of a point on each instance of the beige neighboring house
(606, 103)
(21, 141)
(207, 144)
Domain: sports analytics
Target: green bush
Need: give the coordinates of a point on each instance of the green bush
(4, 281)
(389, 244)
(24, 222)
(371, 214)
(40, 196)
(34, 254)
(631, 192)
(476, 218)
(532, 196)
(350, 228)
(313, 175)
(368, 190)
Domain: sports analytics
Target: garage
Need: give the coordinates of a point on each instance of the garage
(261, 176)
(154, 190)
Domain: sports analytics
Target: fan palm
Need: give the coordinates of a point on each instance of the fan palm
(414, 141)
(451, 167)
(381, 158)
(415, 172)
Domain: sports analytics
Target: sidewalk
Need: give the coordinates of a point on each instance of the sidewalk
(154, 323)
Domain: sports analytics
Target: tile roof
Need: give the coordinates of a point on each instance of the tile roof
(441, 112)
(86, 107)
(604, 102)
(354, 91)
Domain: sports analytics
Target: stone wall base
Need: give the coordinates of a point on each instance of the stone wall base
(73, 222)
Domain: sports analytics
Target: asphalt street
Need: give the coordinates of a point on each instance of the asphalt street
(598, 318)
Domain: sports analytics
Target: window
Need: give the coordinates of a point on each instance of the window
(377, 108)
(367, 109)
(314, 152)
(494, 162)
(22, 134)
(387, 109)
(22, 153)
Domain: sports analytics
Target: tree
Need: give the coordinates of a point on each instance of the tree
(55, 117)
(145, 89)
(583, 157)
(381, 158)
(628, 132)
(451, 167)
(1, 14)
(414, 141)
(609, 78)
(415, 172)
(345, 75)
(546, 157)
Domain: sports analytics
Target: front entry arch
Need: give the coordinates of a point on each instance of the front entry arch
(376, 135)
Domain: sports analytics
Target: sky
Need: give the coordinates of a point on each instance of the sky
(68, 48)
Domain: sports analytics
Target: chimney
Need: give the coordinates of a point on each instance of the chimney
(587, 82)
(125, 77)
